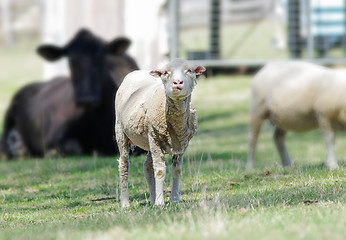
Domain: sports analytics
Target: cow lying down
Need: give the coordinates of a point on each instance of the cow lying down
(298, 96)
(70, 115)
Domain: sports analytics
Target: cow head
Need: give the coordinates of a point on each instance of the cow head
(88, 58)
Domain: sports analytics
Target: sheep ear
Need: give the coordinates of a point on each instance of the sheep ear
(199, 70)
(155, 73)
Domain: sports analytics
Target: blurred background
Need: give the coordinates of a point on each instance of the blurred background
(220, 34)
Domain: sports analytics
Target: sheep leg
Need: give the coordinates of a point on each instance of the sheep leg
(150, 177)
(177, 161)
(160, 174)
(123, 144)
(159, 167)
(329, 139)
(255, 127)
(279, 139)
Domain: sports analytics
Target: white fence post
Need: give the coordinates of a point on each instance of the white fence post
(6, 21)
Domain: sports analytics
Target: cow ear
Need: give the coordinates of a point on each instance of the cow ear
(50, 52)
(119, 45)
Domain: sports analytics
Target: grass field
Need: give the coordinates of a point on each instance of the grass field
(77, 198)
(18, 66)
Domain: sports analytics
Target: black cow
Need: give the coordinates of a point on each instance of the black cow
(70, 115)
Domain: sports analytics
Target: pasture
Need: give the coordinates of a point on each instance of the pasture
(77, 198)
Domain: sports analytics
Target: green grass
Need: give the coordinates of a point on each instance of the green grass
(52, 198)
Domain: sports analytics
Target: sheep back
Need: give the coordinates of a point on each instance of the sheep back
(293, 93)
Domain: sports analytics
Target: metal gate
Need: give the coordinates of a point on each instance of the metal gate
(253, 32)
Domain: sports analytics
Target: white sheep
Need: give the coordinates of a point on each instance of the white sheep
(156, 115)
(298, 96)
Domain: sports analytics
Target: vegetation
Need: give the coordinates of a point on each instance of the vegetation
(19, 66)
(77, 198)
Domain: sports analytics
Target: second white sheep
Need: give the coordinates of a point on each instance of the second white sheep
(298, 96)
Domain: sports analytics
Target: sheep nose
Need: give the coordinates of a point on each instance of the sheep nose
(176, 82)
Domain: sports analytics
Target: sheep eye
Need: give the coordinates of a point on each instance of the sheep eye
(166, 73)
(188, 71)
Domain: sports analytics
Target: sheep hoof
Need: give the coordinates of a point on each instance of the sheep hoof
(175, 199)
(125, 205)
(332, 166)
(250, 165)
(159, 202)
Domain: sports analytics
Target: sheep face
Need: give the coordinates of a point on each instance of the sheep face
(178, 78)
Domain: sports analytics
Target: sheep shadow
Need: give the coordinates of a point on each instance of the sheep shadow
(215, 116)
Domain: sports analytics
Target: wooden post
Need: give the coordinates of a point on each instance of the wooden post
(6, 22)
(174, 28)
